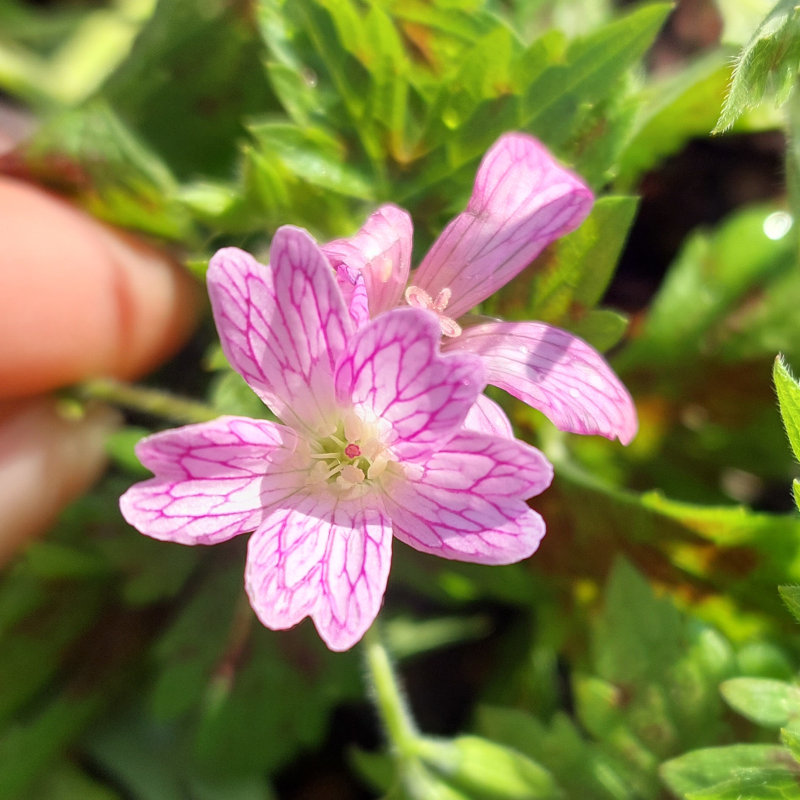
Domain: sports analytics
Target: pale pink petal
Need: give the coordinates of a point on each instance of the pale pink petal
(522, 200)
(381, 251)
(211, 480)
(324, 560)
(354, 291)
(468, 500)
(395, 373)
(282, 326)
(486, 416)
(555, 372)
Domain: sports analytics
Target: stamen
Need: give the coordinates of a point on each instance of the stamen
(449, 327)
(419, 298)
(351, 474)
(442, 299)
(353, 426)
(378, 466)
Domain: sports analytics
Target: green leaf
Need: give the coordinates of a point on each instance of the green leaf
(190, 80)
(120, 447)
(788, 390)
(94, 153)
(581, 767)
(196, 641)
(601, 327)
(58, 59)
(148, 760)
(701, 769)
(559, 99)
(638, 635)
(768, 64)
(53, 561)
(768, 702)
(376, 769)
(755, 551)
(791, 596)
(671, 111)
(258, 713)
(791, 738)
(728, 293)
(407, 637)
(35, 648)
(312, 155)
(756, 784)
(65, 781)
(475, 767)
(28, 747)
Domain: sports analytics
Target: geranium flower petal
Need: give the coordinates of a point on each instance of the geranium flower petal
(322, 560)
(381, 251)
(282, 326)
(354, 291)
(486, 416)
(521, 201)
(394, 373)
(557, 373)
(210, 482)
(468, 502)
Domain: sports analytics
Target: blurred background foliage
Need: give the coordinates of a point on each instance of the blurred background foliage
(645, 652)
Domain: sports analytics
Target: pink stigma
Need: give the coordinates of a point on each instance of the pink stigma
(352, 451)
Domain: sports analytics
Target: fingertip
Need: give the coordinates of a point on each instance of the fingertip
(80, 299)
(48, 459)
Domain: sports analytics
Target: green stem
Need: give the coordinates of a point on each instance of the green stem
(398, 723)
(149, 401)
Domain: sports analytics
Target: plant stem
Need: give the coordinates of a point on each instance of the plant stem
(149, 401)
(398, 723)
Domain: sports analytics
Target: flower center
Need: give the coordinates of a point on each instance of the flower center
(351, 456)
(419, 298)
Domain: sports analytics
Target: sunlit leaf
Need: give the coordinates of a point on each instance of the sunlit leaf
(475, 767)
(767, 702)
(788, 391)
(701, 769)
(768, 64)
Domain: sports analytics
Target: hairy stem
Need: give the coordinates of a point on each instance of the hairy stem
(148, 401)
(398, 723)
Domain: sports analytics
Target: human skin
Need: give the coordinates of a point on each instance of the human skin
(79, 300)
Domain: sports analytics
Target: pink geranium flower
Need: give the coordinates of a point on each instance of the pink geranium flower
(521, 201)
(371, 445)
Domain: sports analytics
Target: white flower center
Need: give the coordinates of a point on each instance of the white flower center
(419, 298)
(352, 456)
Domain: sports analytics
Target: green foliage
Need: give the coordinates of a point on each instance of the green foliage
(791, 596)
(789, 403)
(134, 668)
(751, 769)
(767, 702)
(768, 64)
(473, 767)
